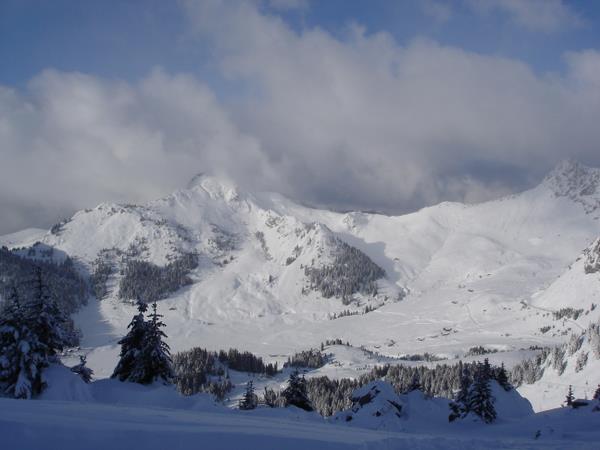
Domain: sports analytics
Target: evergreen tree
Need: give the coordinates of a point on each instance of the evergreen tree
(569, 399)
(82, 370)
(502, 378)
(415, 384)
(145, 357)
(53, 327)
(249, 400)
(480, 399)
(486, 369)
(131, 345)
(155, 360)
(296, 393)
(597, 393)
(459, 406)
(22, 355)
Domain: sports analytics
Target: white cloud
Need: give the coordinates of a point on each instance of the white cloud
(355, 123)
(74, 140)
(380, 124)
(536, 15)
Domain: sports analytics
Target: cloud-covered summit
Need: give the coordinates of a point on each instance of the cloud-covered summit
(349, 120)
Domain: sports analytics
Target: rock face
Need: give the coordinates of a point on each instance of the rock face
(577, 182)
(592, 258)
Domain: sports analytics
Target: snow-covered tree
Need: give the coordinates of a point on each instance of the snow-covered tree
(145, 356)
(53, 326)
(480, 399)
(131, 345)
(32, 331)
(82, 370)
(296, 393)
(459, 407)
(155, 360)
(249, 400)
(22, 355)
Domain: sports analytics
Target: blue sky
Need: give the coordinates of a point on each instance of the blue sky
(127, 38)
(379, 105)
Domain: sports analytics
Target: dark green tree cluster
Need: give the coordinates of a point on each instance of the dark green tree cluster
(246, 362)
(144, 281)
(350, 272)
(296, 394)
(312, 359)
(200, 370)
(61, 279)
(33, 330)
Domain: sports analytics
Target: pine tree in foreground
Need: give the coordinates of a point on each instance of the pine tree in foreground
(22, 355)
(82, 370)
(296, 393)
(597, 393)
(480, 400)
(131, 345)
(459, 406)
(249, 400)
(145, 357)
(155, 359)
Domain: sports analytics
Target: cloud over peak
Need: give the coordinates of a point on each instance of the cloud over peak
(353, 122)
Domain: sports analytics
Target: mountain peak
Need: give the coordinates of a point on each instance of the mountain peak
(215, 187)
(568, 168)
(576, 181)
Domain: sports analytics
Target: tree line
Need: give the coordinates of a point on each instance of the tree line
(350, 272)
(62, 280)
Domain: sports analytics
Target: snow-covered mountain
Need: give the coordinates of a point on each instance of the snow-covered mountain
(259, 272)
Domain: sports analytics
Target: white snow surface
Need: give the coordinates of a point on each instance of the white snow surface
(23, 238)
(109, 414)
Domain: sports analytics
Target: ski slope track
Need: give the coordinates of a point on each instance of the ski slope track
(454, 275)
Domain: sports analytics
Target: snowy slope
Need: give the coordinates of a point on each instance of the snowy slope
(575, 363)
(577, 288)
(110, 414)
(474, 274)
(23, 238)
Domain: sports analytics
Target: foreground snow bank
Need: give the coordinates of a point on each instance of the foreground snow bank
(49, 425)
(65, 385)
(109, 414)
